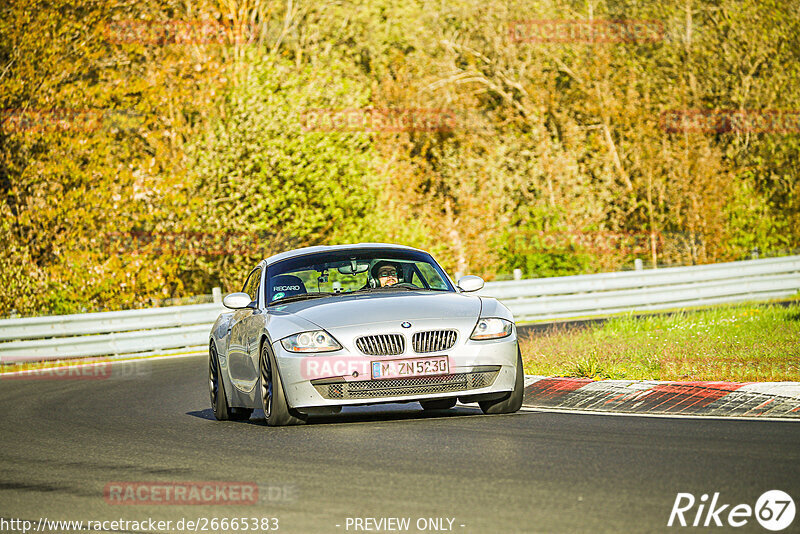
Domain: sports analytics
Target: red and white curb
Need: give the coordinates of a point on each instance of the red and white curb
(721, 399)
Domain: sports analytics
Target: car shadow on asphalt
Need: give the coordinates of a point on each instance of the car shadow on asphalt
(362, 414)
(208, 413)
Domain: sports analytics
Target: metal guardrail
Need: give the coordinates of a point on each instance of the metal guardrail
(186, 327)
(547, 299)
(107, 333)
(108, 322)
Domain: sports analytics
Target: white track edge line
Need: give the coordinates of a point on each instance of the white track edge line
(665, 416)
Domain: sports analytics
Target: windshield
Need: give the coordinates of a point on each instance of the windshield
(346, 271)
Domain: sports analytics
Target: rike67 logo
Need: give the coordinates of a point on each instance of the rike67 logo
(774, 510)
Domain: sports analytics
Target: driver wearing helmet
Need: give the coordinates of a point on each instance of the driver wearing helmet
(386, 273)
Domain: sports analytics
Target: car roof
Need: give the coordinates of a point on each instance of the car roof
(330, 248)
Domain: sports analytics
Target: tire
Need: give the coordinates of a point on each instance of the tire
(511, 402)
(216, 389)
(273, 399)
(441, 404)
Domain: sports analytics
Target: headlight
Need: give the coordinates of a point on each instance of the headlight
(491, 329)
(316, 341)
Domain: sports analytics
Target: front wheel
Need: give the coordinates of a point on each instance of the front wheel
(513, 401)
(276, 410)
(216, 389)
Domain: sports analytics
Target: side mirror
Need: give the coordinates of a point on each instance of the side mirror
(236, 301)
(470, 283)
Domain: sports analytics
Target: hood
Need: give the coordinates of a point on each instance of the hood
(369, 308)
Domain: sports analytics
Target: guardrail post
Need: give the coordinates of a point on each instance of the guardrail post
(638, 264)
(216, 295)
(517, 274)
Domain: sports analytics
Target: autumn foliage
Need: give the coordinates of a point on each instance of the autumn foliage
(157, 149)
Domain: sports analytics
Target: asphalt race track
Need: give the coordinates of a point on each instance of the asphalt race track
(64, 440)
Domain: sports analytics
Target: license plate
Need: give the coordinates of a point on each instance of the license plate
(410, 368)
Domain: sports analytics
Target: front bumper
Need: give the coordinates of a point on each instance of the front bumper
(341, 378)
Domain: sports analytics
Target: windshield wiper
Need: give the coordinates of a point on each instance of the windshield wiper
(299, 297)
(388, 288)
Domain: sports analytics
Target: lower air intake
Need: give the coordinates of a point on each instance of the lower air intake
(398, 387)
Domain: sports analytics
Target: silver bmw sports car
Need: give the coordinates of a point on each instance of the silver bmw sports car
(319, 328)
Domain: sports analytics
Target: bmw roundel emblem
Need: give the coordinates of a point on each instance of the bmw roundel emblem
(405, 324)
